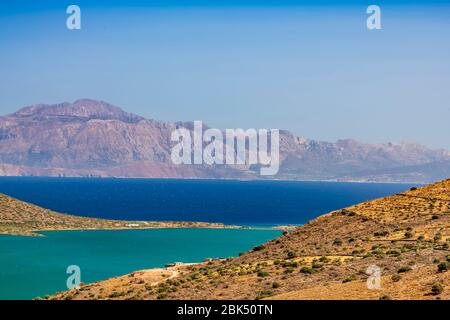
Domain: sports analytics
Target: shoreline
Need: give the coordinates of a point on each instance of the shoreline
(37, 233)
(183, 225)
(222, 179)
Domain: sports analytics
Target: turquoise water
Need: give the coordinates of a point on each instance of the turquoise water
(36, 266)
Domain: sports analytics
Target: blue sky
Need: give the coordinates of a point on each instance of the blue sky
(311, 67)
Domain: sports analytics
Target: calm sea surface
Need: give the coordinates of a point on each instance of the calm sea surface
(35, 266)
(238, 202)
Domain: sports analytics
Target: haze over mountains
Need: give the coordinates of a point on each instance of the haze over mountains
(94, 138)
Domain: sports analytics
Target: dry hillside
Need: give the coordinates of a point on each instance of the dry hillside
(406, 235)
(21, 218)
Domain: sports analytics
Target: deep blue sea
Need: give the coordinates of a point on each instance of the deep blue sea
(227, 201)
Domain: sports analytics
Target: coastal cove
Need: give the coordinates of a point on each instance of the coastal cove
(32, 267)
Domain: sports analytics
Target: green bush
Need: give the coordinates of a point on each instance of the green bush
(259, 248)
(437, 288)
(263, 274)
(396, 277)
(403, 269)
(308, 270)
(348, 279)
(409, 234)
(276, 285)
(288, 270)
(291, 255)
(116, 294)
(263, 294)
(317, 265)
(393, 252)
(443, 266)
(381, 233)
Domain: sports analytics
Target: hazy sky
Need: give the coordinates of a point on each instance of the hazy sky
(315, 70)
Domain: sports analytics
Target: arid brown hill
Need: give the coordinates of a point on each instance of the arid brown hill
(22, 218)
(94, 138)
(405, 235)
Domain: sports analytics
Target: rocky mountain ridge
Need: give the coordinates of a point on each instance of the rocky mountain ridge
(94, 138)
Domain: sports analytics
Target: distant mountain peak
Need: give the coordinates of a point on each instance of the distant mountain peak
(86, 109)
(94, 138)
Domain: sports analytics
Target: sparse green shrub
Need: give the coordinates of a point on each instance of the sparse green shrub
(317, 265)
(409, 234)
(443, 266)
(358, 251)
(393, 252)
(196, 276)
(291, 255)
(403, 269)
(308, 270)
(259, 248)
(276, 285)
(116, 294)
(348, 279)
(381, 233)
(263, 294)
(289, 264)
(288, 270)
(263, 274)
(396, 277)
(337, 242)
(437, 288)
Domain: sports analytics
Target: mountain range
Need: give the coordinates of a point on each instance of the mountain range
(90, 138)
